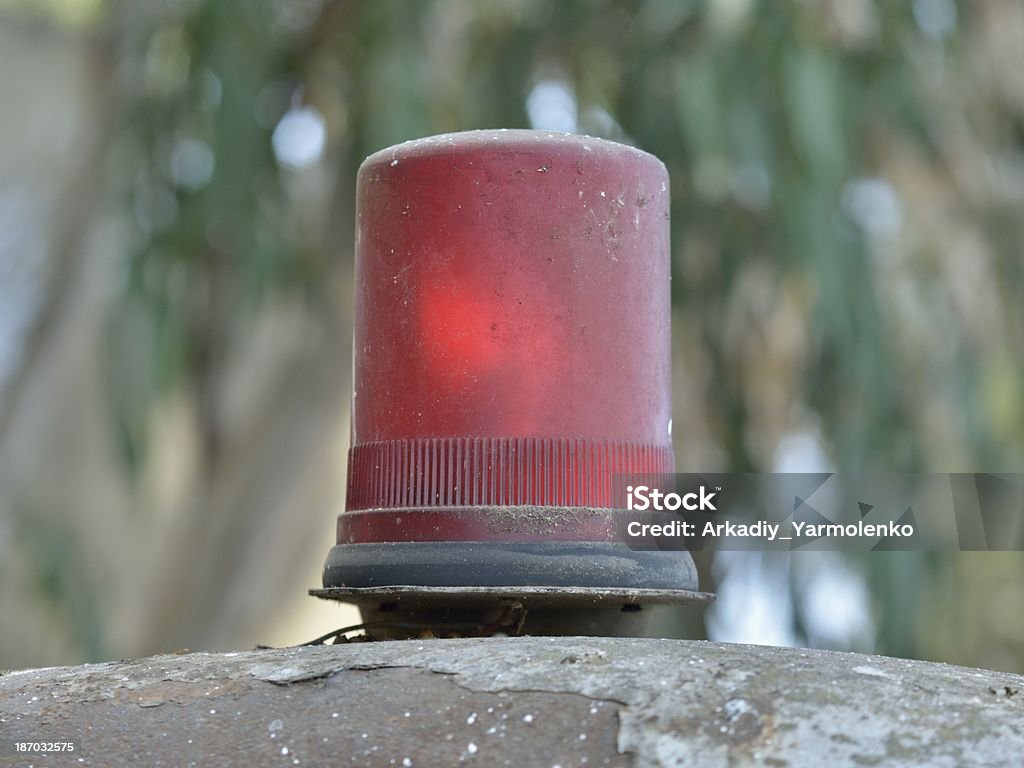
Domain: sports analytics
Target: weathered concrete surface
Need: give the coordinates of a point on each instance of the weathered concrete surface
(519, 702)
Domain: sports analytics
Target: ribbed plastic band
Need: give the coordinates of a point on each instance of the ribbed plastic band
(480, 471)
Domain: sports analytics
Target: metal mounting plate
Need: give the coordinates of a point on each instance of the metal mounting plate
(537, 596)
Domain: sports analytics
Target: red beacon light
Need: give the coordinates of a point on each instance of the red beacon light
(511, 358)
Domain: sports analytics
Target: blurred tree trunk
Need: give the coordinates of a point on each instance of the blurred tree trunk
(94, 563)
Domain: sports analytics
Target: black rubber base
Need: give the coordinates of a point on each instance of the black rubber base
(502, 564)
(538, 588)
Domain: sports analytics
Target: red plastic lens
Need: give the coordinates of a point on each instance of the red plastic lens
(511, 336)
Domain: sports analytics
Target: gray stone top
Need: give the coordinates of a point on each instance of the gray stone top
(519, 702)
